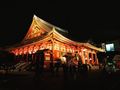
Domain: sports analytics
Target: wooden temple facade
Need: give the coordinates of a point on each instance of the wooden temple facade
(43, 35)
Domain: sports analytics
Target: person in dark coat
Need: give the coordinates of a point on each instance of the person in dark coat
(57, 65)
(84, 70)
(40, 61)
(51, 62)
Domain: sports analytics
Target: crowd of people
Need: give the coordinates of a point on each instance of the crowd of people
(68, 63)
(71, 65)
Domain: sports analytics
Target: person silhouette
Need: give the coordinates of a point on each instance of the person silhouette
(40, 61)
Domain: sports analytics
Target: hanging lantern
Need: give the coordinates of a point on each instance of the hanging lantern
(36, 47)
(64, 49)
(49, 46)
(16, 52)
(20, 51)
(84, 49)
(68, 49)
(30, 49)
(13, 51)
(80, 53)
(56, 47)
(25, 50)
(42, 47)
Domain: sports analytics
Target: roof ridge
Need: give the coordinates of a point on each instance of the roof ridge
(49, 24)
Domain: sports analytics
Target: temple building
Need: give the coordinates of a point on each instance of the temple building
(43, 35)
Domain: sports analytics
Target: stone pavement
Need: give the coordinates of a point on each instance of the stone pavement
(95, 80)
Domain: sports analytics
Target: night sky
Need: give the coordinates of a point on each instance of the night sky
(83, 23)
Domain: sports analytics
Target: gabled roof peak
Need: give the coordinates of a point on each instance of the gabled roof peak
(49, 24)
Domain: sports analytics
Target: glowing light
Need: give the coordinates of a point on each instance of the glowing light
(35, 48)
(30, 49)
(25, 50)
(80, 53)
(49, 46)
(29, 52)
(41, 48)
(56, 47)
(84, 50)
(33, 51)
(73, 50)
(70, 50)
(20, 51)
(16, 53)
(90, 59)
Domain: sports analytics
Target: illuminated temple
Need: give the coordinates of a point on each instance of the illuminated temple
(43, 35)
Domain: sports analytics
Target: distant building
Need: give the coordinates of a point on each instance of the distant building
(111, 45)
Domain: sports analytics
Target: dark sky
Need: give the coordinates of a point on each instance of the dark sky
(81, 21)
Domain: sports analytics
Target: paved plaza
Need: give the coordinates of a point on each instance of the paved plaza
(95, 80)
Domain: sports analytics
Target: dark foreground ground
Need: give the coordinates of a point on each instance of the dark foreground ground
(96, 80)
